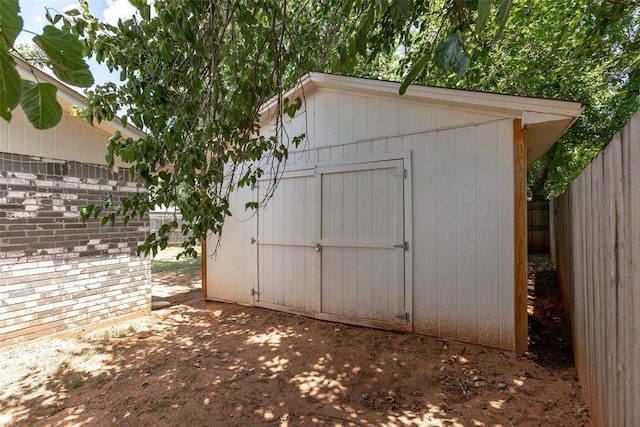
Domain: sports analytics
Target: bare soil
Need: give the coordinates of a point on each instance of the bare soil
(201, 363)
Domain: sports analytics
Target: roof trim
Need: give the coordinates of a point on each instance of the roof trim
(550, 117)
(67, 96)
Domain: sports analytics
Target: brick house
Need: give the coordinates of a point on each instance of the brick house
(56, 271)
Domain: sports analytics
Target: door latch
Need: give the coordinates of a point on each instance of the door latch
(404, 246)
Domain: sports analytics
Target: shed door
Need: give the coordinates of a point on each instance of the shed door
(288, 264)
(331, 244)
(362, 244)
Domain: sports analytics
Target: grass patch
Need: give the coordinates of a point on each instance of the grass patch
(166, 261)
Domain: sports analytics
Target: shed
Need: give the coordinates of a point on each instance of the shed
(56, 271)
(398, 212)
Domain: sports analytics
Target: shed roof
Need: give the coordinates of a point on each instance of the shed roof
(545, 119)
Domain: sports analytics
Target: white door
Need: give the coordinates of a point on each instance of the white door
(362, 244)
(288, 265)
(331, 244)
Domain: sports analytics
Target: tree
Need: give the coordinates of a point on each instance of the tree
(62, 53)
(583, 50)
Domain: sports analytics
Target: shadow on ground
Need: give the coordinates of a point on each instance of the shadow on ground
(549, 334)
(204, 363)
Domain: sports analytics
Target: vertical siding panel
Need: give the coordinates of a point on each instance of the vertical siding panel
(34, 139)
(300, 223)
(426, 219)
(61, 147)
(374, 118)
(394, 144)
(332, 123)
(440, 118)
(447, 248)
(364, 232)
(380, 231)
(277, 251)
(389, 115)
(319, 119)
(312, 233)
(405, 118)
(351, 216)
(459, 118)
(17, 136)
(4, 136)
(467, 263)
(289, 214)
(345, 117)
(422, 118)
(48, 141)
(75, 140)
(506, 229)
(487, 244)
(364, 148)
(359, 123)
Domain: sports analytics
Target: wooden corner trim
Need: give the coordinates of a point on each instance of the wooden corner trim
(203, 265)
(520, 235)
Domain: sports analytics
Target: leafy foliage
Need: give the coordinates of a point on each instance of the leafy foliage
(585, 50)
(63, 53)
(194, 75)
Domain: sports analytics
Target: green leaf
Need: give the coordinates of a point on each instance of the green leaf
(10, 22)
(9, 85)
(484, 7)
(415, 70)
(404, 8)
(40, 105)
(450, 56)
(65, 55)
(504, 9)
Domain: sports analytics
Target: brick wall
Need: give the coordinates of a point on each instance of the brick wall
(57, 272)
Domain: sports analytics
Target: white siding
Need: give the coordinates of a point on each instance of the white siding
(231, 273)
(72, 139)
(462, 203)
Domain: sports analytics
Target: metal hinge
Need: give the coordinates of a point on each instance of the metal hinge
(404, 246)
(399, 172)
(254, 186)
(404, 316)
(254, 292)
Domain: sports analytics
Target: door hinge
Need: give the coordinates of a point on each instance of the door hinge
(399, 172)
(254, 292)
(403, 316)
(404, 246)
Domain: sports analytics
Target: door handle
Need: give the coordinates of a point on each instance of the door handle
(318, 247)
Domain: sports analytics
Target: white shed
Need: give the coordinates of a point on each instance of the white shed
(398, 212)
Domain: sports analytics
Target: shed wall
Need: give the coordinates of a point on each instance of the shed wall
(462, 203)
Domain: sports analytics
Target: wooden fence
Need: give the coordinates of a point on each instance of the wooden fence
(538, 226)
(156, 219)
(597, 242)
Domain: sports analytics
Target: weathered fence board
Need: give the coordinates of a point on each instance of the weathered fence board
(156, 219)
(596, 225)
(538, 226)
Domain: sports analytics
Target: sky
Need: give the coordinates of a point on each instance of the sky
(33, 14)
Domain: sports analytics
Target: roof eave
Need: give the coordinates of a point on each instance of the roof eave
(68, 97)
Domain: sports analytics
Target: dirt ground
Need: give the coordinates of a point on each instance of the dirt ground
(200, 363)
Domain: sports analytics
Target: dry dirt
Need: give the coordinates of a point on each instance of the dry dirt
(200, 363)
